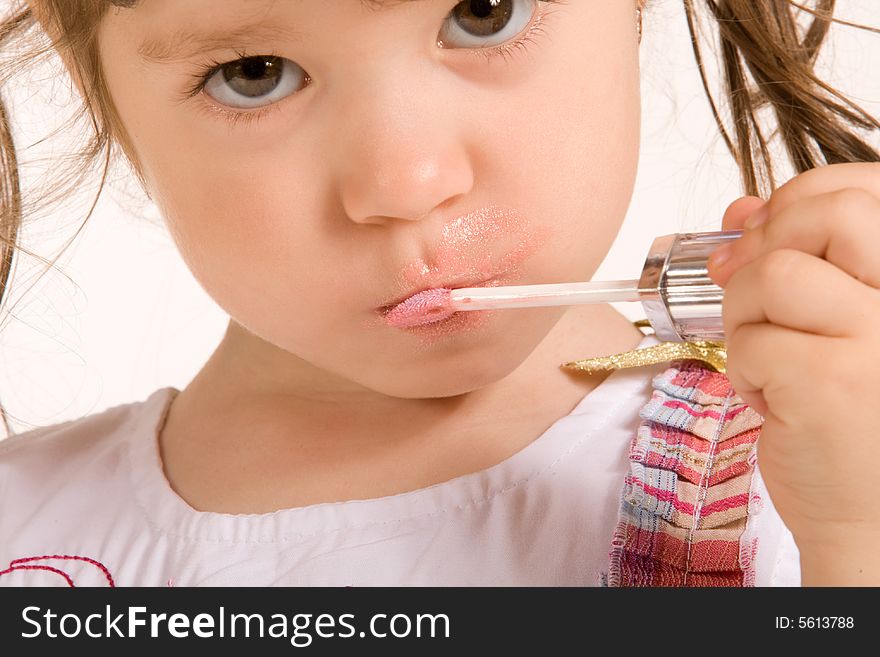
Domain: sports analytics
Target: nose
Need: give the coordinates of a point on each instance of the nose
(401, 160)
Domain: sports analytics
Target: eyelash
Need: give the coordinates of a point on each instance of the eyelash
(235, 117)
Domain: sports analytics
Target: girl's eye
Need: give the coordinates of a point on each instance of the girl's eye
(254, 81)
(501, 21)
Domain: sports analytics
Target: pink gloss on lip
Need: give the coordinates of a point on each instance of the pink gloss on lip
(487, 245)
(425, 307)
(467, 245)
(475, 246)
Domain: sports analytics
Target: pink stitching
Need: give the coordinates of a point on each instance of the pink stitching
(13, 565)
(49, 568)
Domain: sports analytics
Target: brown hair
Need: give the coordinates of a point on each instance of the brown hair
(767, 58)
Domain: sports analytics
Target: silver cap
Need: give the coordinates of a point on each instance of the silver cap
(680, 300)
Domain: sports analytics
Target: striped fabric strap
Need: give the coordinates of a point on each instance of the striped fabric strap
(687, 496)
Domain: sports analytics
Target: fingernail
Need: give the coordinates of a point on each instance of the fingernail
(758, 218)
(720, 256)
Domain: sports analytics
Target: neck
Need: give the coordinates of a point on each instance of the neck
(244, 417)
(246, 369)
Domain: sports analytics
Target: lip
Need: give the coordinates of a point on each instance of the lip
(473, 250)
(453, 284)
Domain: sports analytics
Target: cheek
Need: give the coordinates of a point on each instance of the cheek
(581, 134)
(240, 233)
(596, 125)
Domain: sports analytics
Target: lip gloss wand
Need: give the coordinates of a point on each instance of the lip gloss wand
(681, 302)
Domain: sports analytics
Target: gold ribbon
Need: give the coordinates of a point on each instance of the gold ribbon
(712, 353)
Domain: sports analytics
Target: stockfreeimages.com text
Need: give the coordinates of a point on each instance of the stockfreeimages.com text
(300, 629)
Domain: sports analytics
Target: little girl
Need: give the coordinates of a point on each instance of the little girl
(318, 163)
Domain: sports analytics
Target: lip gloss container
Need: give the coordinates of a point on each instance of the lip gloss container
(680, 300)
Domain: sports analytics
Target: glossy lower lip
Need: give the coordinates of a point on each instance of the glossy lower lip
(450, 325)
(454, 324)
(384, 310)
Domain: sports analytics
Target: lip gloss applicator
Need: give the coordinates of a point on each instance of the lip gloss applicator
(681, 302)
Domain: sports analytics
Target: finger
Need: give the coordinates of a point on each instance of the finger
(740, 210)
(776, 368)
(826, 179)
(842, 227)
(799, 291)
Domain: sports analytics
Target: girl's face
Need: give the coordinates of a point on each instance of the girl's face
(339, 158)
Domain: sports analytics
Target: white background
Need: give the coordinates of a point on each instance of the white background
(124, 316)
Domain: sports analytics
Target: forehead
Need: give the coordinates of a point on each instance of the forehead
(185, 42)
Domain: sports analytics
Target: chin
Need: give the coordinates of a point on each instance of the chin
(451, 379)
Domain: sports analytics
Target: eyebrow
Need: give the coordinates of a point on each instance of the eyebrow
(184, 44)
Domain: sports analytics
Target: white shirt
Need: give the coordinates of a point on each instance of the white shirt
(91, 495)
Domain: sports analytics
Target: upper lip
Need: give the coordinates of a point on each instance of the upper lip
(473, 249)
(453, 283)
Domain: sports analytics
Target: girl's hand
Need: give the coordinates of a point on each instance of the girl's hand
(801, 316)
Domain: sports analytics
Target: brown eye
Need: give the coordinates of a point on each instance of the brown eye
(486, 23)
(255, 81)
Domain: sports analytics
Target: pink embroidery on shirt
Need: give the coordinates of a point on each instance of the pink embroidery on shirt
(47, 568)
(26, 563)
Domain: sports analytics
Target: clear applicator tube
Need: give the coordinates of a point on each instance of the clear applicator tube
(680, 300)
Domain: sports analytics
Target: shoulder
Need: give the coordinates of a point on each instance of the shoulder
(57, 460)
(67, 444)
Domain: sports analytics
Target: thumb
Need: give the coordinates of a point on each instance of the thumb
(739, 211)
